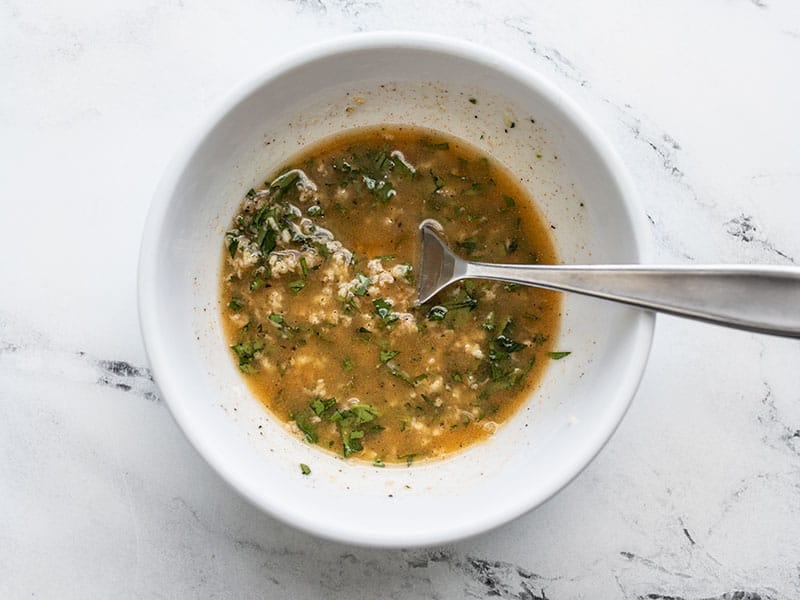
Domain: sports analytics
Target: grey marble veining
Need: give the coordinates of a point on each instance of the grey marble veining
(697, 496)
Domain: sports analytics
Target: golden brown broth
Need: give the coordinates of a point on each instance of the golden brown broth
(315, 347)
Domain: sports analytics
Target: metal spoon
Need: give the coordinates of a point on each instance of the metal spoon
(761, 298)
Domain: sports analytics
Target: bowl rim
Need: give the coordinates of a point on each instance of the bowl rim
(169, 382)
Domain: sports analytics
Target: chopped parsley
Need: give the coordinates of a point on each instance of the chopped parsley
(384, 191)
(322, 250)
(353, 424)
(284, 181)
(257, 283)
(401, 376)
(320, 406)
(409, 458)
(306, 427)
(363, 282)
(387, 355)
(476, 189)
(305, 469)
(296, 286)
(233, 246)
(267, 239)
(558, 355)
(500, 351)
(236, 304)
(437, 313)
(467, 300)
(505, 343)
(246, 353)
(468, 245)
(384, 310)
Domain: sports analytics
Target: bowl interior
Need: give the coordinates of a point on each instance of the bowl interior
(361, 81)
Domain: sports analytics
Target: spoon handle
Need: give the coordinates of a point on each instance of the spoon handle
(765, 299)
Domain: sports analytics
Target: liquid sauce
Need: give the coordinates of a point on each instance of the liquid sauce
(318, 296)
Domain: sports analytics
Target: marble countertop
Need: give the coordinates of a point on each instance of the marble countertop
(696, 496)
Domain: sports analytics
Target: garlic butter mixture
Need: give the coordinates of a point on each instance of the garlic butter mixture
(318, 296)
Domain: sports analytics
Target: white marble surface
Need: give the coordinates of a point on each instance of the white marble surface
(696, 496)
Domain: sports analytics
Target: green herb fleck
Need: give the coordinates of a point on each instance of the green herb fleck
(437, 313)
(233, 246)
(384, 192)
(320, 406)
(364, 282)
(305, 469)
(409, 458)
(468, 245)
(306, 427)
(296, 286)
(350, 423)
(467, 301)
(350, 306)
(246, 352)
(384, 310)
(401, 376)
(348, 364)
(558, 355)
(267, 239)
(408, 274)
(401, 168)
(504, 341)
(387, 355)
(284, 181)
(322, 250)
(257, 283)
(476, 189)
(236, 304)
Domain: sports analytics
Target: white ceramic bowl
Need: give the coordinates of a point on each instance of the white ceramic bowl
(578, 183)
